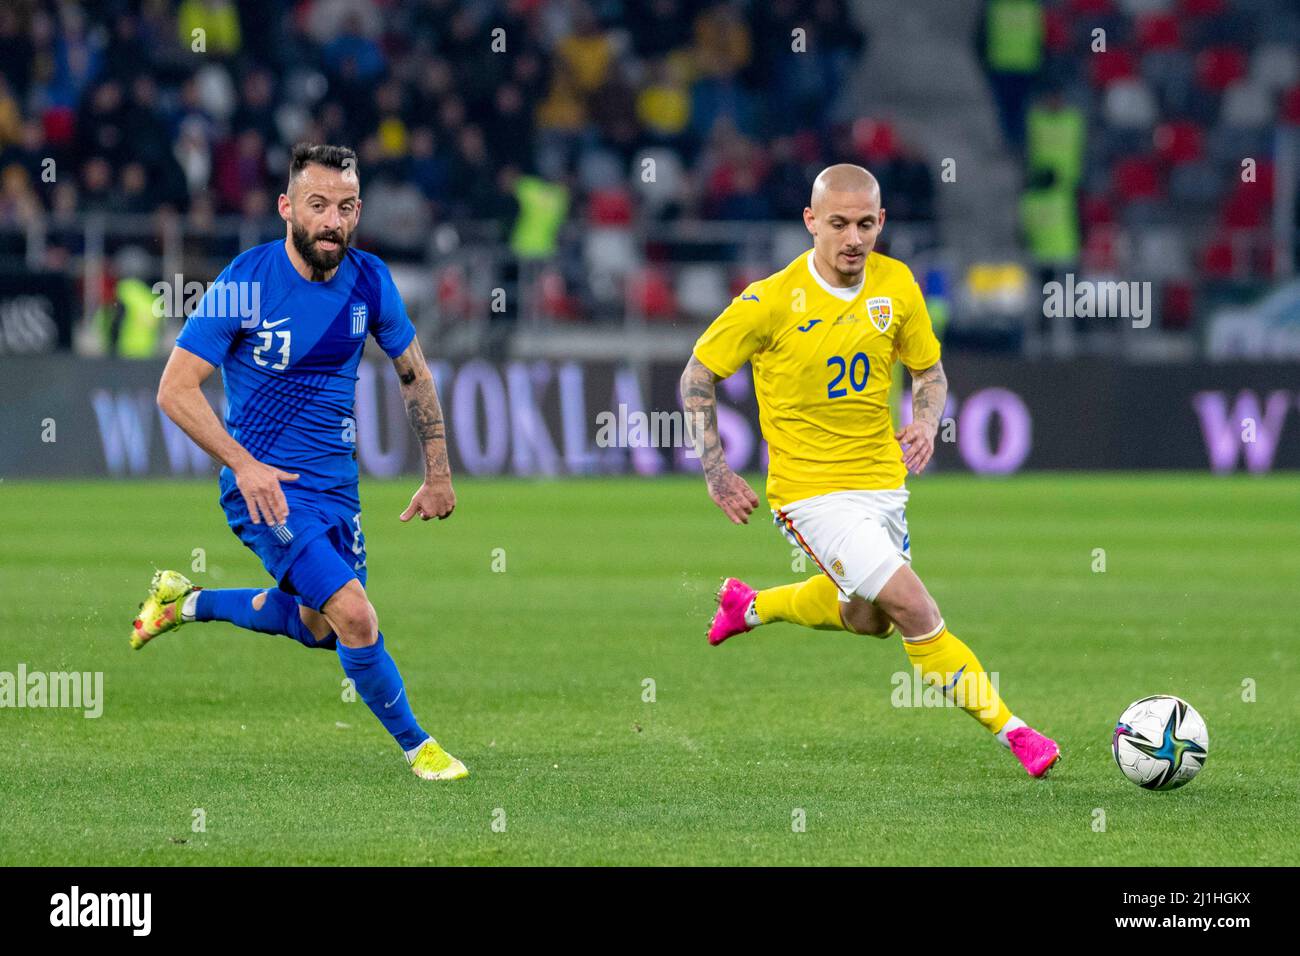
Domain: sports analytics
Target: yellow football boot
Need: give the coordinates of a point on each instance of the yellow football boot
(434, 763)
(160, 611)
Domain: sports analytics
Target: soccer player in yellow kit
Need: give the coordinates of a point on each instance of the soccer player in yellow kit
(822, 336)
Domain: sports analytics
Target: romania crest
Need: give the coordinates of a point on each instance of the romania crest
(881, 310)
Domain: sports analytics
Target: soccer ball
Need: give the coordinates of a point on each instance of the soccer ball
(1160, 742)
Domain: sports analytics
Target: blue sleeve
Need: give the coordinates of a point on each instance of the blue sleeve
(394, 330)
(212, 327)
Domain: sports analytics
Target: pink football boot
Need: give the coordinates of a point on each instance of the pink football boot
(1038, 753)
(733, 600)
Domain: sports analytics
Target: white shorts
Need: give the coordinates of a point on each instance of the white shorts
(859, 538)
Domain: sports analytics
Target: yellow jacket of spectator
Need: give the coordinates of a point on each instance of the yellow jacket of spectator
(137, 336)
(219, 23)
(1015, 36)
(542, 209)
(1056, 141)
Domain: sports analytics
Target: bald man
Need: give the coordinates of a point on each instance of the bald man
(823, 336)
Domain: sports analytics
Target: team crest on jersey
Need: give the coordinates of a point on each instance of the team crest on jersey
(359, 318)
(838, 567)
(881, 310)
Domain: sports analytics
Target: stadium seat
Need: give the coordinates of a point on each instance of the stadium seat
(1058, 31)
(609, 251)
(554, 300)
(1176, 306)
(1137, 178)
(702, 290)
(1100, 251)
(1218, 260)
(1162, 254)
(1158, 31)
(1130, 104)
(1275, 66)
(1290, 112)
(1218, 67)
(1202, 8)
(610, 207)
(1247, 207)
(1113, 66)
(651, 294)
(1247, 105)
(1096, 209)
(874, 140)
(1179, 142)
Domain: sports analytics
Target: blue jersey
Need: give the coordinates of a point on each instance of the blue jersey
(288, 349)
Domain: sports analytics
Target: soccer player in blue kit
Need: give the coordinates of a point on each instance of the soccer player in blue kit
(289, 485)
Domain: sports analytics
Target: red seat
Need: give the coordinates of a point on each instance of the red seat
(874, 139)
(1218, 260)
(1202, 8)
(1091, 7)
(1246, 208)
(609, 207)
(652, 294)
(1096, 210)
(1176, 307)
(1290, 112)
(1100, 251)
(1158, 31)
(1137, 178)
(555, 299)
(1056, 31)
(1218, 67)
(1115, 64)
(1179, 142)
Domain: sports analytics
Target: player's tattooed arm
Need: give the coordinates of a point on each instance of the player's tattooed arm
(181, 398)
(435, 498)
(728, 490)
(929, 396)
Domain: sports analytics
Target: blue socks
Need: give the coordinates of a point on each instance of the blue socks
(372, 670)
(278, 615)
(380, 685)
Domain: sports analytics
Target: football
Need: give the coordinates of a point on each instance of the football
(1160, 742)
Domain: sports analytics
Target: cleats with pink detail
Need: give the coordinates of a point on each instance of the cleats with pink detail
(733, 601)
(1037, 753)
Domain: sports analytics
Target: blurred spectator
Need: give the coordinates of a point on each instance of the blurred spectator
(1013, 50)
(209, 26)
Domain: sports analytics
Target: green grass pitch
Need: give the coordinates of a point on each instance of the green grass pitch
(535, 676)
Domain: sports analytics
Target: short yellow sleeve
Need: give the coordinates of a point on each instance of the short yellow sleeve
(918, 348)
(741, 330)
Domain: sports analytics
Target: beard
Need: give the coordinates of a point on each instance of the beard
(320, 260)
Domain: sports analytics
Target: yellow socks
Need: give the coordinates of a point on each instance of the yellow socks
(812, 603)
(947, 662)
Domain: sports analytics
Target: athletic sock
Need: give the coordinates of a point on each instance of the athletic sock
(811, 603)
(377, 680)
(947, 662)
(1015, 723)
(277, 615)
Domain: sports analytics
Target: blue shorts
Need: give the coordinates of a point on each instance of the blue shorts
(319, 549)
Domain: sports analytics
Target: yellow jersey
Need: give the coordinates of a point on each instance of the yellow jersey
(823, 358)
